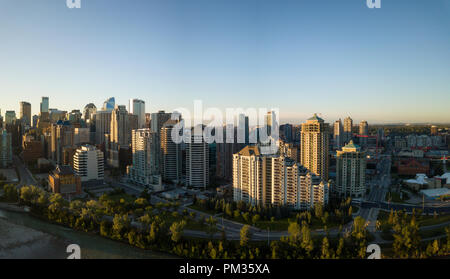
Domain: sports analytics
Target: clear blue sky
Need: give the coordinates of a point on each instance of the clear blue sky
(334, 57)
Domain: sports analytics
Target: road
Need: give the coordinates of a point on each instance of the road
(26, 178)
(379, 187)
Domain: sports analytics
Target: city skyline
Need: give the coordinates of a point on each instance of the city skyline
(391, 66)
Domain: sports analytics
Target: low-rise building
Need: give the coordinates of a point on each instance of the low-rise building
(65, 181)
(412, 166)
(88, 163)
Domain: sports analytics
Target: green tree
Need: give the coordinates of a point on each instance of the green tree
(295, 232)
(359, 231)
(256, 219)
(121, 224)
(245, 235)
(326, 254)
(307, 242)
(176, 230)
(211, 226)
(340, 247)
(318, 210)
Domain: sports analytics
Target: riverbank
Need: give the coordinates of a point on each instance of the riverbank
(24, 236)
(18, 242)
(12, 207)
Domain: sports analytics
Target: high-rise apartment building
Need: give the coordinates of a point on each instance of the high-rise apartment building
(364, 128)
(351, 171)
(25, 113)
(363, 131)
(137, 107)
(5, 148)
(145, 169)
(348, 133)
(171, 157)
(88, 163)
(275, 180)
(197, 162)
(338, 134)
(290, 150)
(434, 130)
(314, 146)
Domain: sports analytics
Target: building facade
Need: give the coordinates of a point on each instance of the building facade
(314, 146)
(102, 125)
(145, 168)
(348, 130)
(351, 171)
(275, 180)
(137, 107)
(338, 134)
(63, 180)
(197, 162)
(5, 148)
(25, 113)
(88, 164)
(171, 157)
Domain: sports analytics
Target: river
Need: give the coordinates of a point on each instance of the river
(25, 236)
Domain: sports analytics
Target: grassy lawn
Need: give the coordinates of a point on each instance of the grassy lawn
(423, 220)
(431, 220)
(117, 197)
(432, 233)
(195, 226)
(395, 197)
(276, 225)
(196, 207)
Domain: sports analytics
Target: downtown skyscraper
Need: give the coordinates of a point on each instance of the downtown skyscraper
(197, 162)
(25, 113)
(137, 107)
(171, 156)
